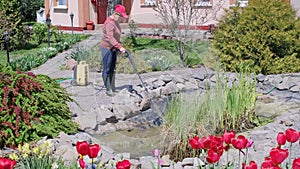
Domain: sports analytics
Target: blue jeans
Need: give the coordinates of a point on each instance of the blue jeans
(109, 60)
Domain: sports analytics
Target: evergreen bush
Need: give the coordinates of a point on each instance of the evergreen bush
(264, 35)
(31, 107)
(11, 21)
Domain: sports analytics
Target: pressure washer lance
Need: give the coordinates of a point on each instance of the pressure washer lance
(147, 99)
(135, 68)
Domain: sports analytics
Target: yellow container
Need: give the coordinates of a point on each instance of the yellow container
(82, 74)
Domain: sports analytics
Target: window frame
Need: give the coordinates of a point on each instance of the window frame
(143, 3)
(233, 3)
(205, 3)
(58, 6)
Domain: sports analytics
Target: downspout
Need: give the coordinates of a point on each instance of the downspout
(48, 11)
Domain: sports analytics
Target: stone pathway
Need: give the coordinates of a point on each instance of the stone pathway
(280, 101)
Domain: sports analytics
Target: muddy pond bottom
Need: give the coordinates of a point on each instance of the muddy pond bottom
(136, 142)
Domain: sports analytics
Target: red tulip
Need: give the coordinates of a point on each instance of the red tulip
(240, 142)
(268, 164)
(278, 155)
(194, 142)
(82, 148)
(281, 138)
(227, 147)
(212, 157)
(6, 163)
(205, 142)
(125, 164)
(291, 135)
(296, 163)
(228, 136)
(252, 165)
(81, 163)
(93, 150)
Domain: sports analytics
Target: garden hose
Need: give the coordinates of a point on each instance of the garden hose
(63, 79)
(135, 68)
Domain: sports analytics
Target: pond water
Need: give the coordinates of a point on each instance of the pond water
(136, 142)
(140, 141)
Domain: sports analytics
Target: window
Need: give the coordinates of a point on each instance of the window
(148, 2)
(241, 3)
(62, 2)
(203, 3)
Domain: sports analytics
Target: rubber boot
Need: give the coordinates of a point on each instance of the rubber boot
(112, 82)
(107, 84)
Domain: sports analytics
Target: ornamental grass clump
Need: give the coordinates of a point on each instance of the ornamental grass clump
(32, 107)
(226, 105)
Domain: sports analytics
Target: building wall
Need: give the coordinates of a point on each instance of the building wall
(84, 10)
(296, 5)
(147, 15)
(60, 16)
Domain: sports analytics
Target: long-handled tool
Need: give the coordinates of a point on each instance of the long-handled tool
(135, 68)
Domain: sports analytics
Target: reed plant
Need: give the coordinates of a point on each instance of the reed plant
(225, 105)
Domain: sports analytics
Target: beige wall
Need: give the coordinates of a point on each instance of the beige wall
(83, 10)
(146, 15)
(143, 15)
(296, 5)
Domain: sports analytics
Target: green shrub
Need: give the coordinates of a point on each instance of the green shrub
(29, 8)
(11, 21)
(264, 35)
(31, 107)
(40, 32)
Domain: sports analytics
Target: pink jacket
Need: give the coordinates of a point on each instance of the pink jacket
(111, 34)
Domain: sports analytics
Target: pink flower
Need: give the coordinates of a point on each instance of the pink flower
(249, 143)
(156, 152)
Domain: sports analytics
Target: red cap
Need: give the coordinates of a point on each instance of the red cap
(121, 9)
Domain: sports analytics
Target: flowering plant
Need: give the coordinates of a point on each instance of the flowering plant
(6, 163)
(84, 148)
(214, 147)
(124, 164)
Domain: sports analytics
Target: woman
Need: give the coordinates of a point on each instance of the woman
(110, 46)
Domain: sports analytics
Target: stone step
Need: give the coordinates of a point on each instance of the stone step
(123, 26)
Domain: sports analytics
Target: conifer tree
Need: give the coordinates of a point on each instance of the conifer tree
(263, 36)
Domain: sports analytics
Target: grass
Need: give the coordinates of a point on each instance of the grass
(195, 51)
(33, 47)
(148, 54)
